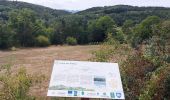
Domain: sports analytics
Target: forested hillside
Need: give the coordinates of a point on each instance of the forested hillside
(27, 25)
(41, 11)
(121, 13)
(44, 13)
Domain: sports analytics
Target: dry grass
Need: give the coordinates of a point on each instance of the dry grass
(39, 61)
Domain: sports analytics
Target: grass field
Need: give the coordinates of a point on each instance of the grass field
(39, 61)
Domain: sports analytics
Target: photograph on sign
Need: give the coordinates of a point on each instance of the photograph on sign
(85, 80)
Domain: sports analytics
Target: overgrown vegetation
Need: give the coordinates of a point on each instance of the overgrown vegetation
(145, 69)
(71, 41)
(16, 85)
(42, 41)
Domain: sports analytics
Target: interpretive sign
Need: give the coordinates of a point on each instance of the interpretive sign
(86, 80)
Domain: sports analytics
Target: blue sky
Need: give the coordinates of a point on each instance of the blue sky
(84, 4)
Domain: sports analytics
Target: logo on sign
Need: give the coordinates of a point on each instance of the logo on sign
(82, 93)
(70, 92)
(75, 93)
(112, 95)
(104, 93)
(118, 95)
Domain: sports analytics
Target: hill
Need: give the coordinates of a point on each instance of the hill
(120, 13)
(27, 25)
(41, 11)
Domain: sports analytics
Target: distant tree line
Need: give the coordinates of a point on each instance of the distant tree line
(24, 28)
(28, 25)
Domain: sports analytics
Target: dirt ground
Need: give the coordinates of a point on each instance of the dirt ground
(39, 61)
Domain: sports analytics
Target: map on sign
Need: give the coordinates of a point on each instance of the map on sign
(86, 80)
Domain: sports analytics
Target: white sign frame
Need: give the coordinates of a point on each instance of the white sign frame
(85, 80)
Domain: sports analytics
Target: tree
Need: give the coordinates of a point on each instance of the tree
(144, 31)
(99, 28)
(40, 29)
(127, 29)
(6, 36)
(23, 21)
(161, 44)
(118, 35)
(58, 36)
(145, 27)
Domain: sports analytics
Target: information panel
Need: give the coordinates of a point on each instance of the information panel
(86, 80)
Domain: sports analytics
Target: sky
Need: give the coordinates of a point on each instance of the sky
(84, 4)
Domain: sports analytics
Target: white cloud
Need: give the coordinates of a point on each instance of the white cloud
(84, 4)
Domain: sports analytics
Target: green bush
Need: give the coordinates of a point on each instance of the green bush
(120, 36)
(15, 86)
(71, 41)
(42, 41)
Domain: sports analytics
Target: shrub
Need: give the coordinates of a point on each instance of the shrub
(15, 86)
(13, 48)
(111, 50)
(71, 41)
(157, 86)
(135, 72)
(120, 36)
(42, 41)
(107, 49)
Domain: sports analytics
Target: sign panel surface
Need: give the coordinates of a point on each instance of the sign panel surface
(86, 80)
